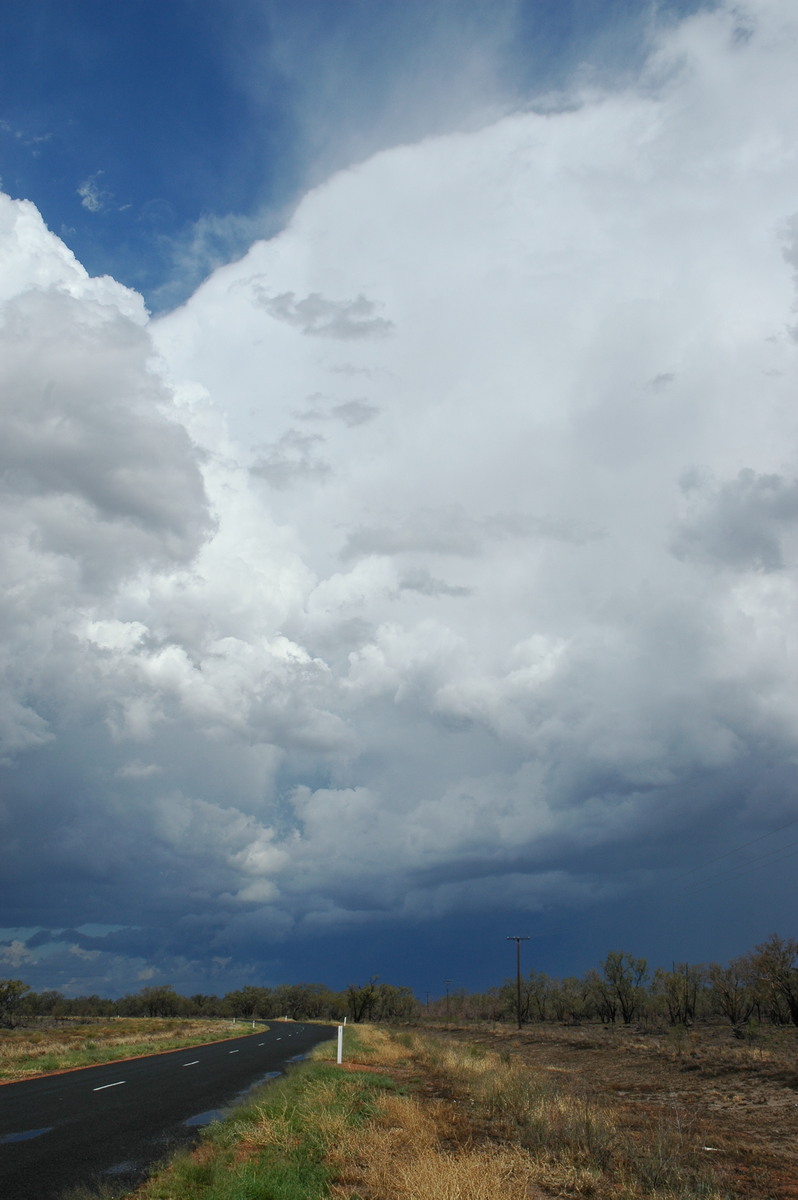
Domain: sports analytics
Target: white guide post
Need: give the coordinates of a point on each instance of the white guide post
(340, 1042)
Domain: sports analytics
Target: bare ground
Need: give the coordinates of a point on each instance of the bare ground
(738, 1100)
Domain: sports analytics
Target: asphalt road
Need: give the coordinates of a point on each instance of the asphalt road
(109, 1125)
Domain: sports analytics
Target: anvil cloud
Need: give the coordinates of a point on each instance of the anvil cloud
(433, 565)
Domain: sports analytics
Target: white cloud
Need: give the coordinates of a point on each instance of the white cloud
(31, 260)
(462, 636)
(320, 317)
(210, 242)
(92, 196)
(84, 955)
(17, 955)
(580, 313)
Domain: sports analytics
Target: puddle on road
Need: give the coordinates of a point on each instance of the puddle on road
(124, 1168)
(213, 1114)
(219, 1114)
(25, 1136)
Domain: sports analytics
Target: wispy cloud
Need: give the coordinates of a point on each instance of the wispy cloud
(93, 197)
(321, 317)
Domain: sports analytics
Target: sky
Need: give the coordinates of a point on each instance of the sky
(399, 488)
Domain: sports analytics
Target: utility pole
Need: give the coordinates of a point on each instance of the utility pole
(447, 982)
(518, 941)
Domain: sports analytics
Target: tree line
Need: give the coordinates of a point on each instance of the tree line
(759, 986)
(373, 1001)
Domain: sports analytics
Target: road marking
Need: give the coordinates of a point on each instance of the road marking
(261, 1043)
(232, 1052)
(191, 1064)
(118, 1083)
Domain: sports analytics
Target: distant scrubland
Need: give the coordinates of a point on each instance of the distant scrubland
(760, 987)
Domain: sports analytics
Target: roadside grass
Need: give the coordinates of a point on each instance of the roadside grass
(496, 1130)
(417, 1117)
(28, 1052)
(279, 1147)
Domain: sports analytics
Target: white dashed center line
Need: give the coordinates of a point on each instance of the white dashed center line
(232, 1052)
(107, 1085)
(191, 1064)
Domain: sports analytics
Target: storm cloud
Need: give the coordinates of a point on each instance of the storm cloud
(512, 634)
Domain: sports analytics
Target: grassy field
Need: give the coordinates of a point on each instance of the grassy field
(35, 1050)
(730, 1102)
(414, 1116)
(478, 1114)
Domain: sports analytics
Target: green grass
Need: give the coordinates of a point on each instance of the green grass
(275, 1148)
(320, 1131)
(218, 1180)
(354, 1047)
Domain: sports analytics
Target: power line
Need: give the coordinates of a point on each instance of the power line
(774, 856)
(742, 846)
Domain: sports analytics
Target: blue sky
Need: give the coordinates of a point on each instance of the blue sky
(130, 123)
(140, 104)
(400, 489)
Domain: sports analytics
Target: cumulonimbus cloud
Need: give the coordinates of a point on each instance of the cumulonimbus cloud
(504, 628)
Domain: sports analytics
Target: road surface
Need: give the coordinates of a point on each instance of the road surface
(109, 1125)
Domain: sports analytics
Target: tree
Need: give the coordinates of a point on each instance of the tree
(538, 987)
(305, 1001)
(131, 1005)
(43, 1004)
(91, 1006)
(162, 1001)
(205, 1006)
(535, 996)
(574, 999)
(11, 993)
(731, 991)
(623, 980)
(516, 1002)
(250, 1002)
(318, 1002)
(361, 1001)
(678, 991)
(395, 1003)
(602, 997)
(774, 974)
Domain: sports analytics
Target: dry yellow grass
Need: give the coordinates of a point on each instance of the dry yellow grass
(458, 1123)
(496, 1131)
(402, 1155)
(28, 1052)
(372, 1045)
(437, 1174)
